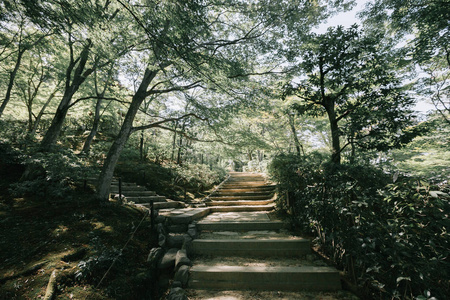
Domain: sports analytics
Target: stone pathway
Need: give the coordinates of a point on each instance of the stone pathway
(242, 254)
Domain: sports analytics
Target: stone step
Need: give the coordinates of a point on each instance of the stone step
(253, 248)
(184, 216)
(137, 193)
(220, 193)
(246, 179)
(116, 183)
(242, 208)
(241, 226)
(238, 203)
(242, 189)
(164, 205)
(236, 198)
(243, 183)
(264, 278)
(115, 189)
(146, 199)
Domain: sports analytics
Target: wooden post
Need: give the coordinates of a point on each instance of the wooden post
(120, 190)
(152, 216)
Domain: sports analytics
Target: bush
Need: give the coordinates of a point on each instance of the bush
(51, 175)
(392, 236)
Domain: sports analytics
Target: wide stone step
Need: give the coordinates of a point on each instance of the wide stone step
(184, 216)
(242, 183)
(246, 179)
(221, 193)
(146, 199)
(242, 208)
(243, 189)
(235, 198)
(264, 278)
(238, 203)
(164, 205)
(253, 248)
(241, 226)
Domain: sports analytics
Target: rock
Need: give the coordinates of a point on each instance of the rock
(155, 256)
(192, 232)
(176, 284)
(168, 260)
(161, 229)
(160, 219)
(116, 197)
(181, 259)
(187, 244)
(175, 241)
(182, 275)
(178, 228)
(177, 294)
(162, 240)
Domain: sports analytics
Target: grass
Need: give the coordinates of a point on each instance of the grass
(39, 236)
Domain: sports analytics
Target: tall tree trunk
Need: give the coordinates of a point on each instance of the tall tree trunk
(109, 165)
(12, 77)
(72, 86)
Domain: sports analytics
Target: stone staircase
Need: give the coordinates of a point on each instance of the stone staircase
(141, 196)
(243, 192)
(241, 248)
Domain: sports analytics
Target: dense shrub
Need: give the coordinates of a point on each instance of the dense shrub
(389, 236)
(51, 175)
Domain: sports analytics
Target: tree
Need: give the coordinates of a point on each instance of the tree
(350, 77)
(427, 22)
(95, 37)
(18, 37)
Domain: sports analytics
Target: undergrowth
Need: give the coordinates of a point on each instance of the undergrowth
(389, 233)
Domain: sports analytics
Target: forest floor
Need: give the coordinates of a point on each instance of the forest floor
(80, 239)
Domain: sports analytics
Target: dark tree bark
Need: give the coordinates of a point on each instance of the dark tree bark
(125, 131)
(12, 77)
(297, 144)
(73, 83)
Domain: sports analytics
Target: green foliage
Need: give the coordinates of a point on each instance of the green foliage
(51, 175)
(93, 268)
(393, 237)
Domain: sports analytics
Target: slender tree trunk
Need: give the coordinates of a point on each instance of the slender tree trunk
(93, 133)
(297, 144)
(79, 77)
(41, 112)
(335, 141)
(12, 77)
(141, 147)
(109, 165)
(174, 142)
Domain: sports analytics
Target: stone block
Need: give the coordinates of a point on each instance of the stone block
(177, 294)
(182, 275)
(155, 256)
(182, 259)
(168, 260)
(175, 241)
(162, 241)
(177, 228)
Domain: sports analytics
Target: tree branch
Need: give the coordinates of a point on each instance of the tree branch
(156, 124)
